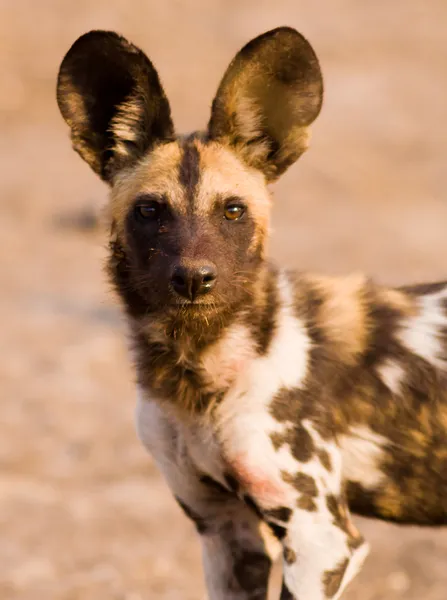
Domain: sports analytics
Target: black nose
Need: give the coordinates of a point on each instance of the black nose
(193, 280)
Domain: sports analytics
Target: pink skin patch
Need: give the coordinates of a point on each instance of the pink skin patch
(267, 491)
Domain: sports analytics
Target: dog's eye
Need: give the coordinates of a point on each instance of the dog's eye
(233, 212)
(149, 211)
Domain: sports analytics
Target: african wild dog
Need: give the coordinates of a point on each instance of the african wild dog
(273, 402)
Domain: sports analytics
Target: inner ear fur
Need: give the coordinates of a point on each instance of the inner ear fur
(110, 95)
(270, 94)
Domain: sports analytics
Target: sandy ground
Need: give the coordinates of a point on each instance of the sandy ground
(83, 513)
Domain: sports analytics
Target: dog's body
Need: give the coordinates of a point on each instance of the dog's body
(274, 403)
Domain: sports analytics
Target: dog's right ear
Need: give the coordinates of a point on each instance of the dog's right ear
(110, 95)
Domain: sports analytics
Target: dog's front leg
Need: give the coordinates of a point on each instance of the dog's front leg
(298, 491)
(238, 547)
(238, 553)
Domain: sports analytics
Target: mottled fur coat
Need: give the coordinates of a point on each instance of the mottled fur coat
(273, 402)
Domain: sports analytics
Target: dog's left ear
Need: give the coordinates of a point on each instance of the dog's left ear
(269, 95)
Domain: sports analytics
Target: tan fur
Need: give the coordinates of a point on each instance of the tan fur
(399, 301)
(224, 175)
(123, 125)
(155, 173)
(343, 312)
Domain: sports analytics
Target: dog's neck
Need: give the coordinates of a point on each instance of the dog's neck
(168, 351)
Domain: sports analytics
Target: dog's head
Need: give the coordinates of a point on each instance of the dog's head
(189, 215)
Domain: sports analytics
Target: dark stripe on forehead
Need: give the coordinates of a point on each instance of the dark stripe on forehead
(189, 169)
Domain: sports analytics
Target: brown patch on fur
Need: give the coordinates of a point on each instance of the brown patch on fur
(199, 522)
(289, 555)
(390, 501)
(307, 503)
(421, 289)
(286, 594)
(399, 300)
(355, 541)
(262, 321)
(282, 513)
(250, 569)
(162, 369)
(332, 579)
(299, 440)
(295, 405)
(302, 482)
(325, 459)
(307, 487)
(189, 170)
(338, 509)
(443, 419)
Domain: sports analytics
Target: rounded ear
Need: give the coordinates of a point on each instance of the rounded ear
(110, 95)
(269, 95)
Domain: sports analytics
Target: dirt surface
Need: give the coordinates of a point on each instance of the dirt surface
(83, 513)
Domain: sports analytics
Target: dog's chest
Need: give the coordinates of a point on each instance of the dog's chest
(223, 364)
(236, 433)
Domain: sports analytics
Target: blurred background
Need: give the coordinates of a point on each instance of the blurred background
(83, 513)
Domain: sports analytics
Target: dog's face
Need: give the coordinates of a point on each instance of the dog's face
(189, 215)
(192, 220)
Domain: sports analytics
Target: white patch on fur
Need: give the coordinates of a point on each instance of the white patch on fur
(362, 451)
(392, 375)
(421, 334)
(284, 366)
(319, 547)
(229, 356)
(243, 418)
